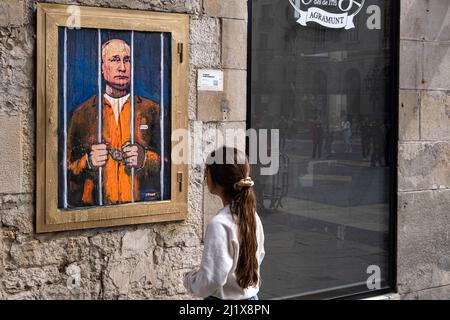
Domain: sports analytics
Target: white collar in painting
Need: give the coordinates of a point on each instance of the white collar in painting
(117, 104)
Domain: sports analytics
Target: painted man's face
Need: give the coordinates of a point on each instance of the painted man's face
(116, 64)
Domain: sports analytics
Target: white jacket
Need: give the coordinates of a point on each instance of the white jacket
(216, 276)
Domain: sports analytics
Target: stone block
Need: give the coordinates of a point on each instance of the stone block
(203, 141)
(435, 115)
(204, 42)
(25, 279)
(37, 254)
(411, 64)
(195, 193)
(177, 236)
(439, 293)
(429, 20)
(233, 98)
(211, 205)
(423, 237)
(178, 258)
(28, 151)
(234, 134)
(16, 70)
(12, 13)
(16, 211)
(235, 9)
(3, 255)
(234, 44)
(436, 65)
(125, 277)
(235, 86)
(11, 154)
(177, 6)
(409, 115)
(209, 106)
(424, 166)
(192, 102)
(138, 241)
(106, 243)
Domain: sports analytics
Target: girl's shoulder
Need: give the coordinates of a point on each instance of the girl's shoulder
(226, 218)
(223, 216)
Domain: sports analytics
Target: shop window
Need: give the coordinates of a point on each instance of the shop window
(329, 211)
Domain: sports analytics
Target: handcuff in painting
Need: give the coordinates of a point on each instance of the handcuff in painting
(117, 155)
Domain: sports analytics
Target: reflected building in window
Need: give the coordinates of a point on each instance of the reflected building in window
(327, 90)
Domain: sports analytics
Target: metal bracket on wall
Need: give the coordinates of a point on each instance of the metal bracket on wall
(180, 51)
(180, 181)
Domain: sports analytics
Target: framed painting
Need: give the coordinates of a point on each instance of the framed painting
(111, 88)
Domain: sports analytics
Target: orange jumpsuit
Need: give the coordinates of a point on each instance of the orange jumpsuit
(116, 182)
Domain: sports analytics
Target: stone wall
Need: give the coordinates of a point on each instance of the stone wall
(148, 261)
(424, 151)
(140, 262)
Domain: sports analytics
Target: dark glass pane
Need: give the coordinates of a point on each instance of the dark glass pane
(328, 90)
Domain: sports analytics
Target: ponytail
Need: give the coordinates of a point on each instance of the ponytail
(244, 208)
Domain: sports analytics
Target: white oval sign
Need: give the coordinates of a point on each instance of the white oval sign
(335, 14)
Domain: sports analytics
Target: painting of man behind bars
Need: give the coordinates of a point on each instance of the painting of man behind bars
(114, 143)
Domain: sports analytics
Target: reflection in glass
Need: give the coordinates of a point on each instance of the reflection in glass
(326, 213)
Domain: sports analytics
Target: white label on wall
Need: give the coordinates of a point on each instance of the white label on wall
(335, 14)
(210, 80)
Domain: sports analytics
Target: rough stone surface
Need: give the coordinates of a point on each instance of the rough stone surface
(209, 106)
(439, 293)
(411, 64)
(234, 44)
(429, 20)
(192, 107)
(424, 150)
(424, 166)
(129, 262)
(148, 261)
(11, 13)
(28, 152)
(435, 115)
(234, 82)
(11, 154)
(211, 205)
(236, 9)
(409, 123)
(16, 70)
(24, 279)
(205, 42)
(16, 211)
(137, 241)
(178, 6)
(423, 250)
(228, 105)
(38, 254)
(234, 133)
(436, 65)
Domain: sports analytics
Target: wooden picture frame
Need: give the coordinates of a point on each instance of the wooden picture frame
(54, 212)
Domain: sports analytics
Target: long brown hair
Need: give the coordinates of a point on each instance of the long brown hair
(229, 169)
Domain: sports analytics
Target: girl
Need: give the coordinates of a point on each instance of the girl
(234, 240)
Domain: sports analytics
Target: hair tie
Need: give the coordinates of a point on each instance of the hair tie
(244, 183)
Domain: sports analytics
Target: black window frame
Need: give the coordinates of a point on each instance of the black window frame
(393, 94)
